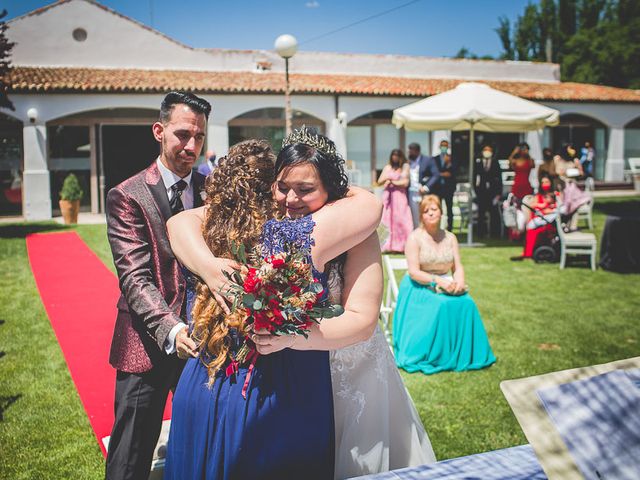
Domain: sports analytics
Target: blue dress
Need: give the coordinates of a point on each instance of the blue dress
(283, 429)
(434, 332)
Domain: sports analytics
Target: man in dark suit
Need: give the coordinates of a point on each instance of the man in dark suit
(150, 333)
(487, 183)
(445, 187)
(423, 175)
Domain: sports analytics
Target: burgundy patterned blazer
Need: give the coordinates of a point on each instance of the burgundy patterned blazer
(151, 282)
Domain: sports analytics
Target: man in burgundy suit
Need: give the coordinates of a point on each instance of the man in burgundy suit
(150, 331)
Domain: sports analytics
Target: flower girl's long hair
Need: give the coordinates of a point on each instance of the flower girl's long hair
(239, 202)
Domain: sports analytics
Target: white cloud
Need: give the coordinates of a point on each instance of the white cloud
(312, 4)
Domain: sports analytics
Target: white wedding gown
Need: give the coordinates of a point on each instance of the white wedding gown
(376, 423)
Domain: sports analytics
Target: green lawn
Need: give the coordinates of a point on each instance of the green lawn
(588, 317)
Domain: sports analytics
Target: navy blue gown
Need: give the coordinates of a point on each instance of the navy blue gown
(283, 429)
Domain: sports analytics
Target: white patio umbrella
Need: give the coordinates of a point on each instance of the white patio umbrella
(474, 106)
(338, 133)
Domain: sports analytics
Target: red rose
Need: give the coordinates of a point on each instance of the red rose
(262, 321)
(251, 282)
(277, 263)
(278, 319)
(295, 288)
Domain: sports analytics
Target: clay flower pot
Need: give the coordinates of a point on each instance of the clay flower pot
(70, 209)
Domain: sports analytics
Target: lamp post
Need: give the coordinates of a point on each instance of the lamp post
(286, 46)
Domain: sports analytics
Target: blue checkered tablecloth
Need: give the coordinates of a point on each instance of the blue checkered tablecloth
(598, 419)
(516, 463)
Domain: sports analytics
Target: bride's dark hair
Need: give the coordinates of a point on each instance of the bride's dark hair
(330, 166)
(239, 202)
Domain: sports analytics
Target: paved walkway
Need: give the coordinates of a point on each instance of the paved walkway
(85, 218)
(615, 193)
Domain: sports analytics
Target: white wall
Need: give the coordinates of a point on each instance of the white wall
(226, 107)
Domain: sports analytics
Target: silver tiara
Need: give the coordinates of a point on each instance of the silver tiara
(309, 137)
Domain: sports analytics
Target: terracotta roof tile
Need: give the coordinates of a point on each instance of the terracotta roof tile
(69, 80)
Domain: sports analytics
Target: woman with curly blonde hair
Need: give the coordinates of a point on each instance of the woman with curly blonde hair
(239, 202)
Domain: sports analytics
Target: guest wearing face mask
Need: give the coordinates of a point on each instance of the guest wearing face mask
(571, 163)
(544, 205)
(423, 175)
(446, 185)
(521, 163)
(548, 169)
(487, 183)
(587, 157)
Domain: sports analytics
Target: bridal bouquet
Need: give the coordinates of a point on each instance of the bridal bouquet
(277, 293)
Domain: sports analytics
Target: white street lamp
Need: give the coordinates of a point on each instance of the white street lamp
(286, 46)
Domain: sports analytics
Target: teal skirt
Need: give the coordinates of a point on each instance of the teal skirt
(434, 332)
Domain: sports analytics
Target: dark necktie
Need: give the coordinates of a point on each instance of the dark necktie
(176, 200)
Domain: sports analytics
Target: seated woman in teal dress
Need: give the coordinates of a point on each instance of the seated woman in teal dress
(436, 324)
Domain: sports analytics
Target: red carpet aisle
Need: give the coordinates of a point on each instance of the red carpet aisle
(79, 294)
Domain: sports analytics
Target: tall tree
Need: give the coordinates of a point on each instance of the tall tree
(504, 32)
(589, 13)
(595, 41)
(5, 63)
(527, 35)
(548, 28)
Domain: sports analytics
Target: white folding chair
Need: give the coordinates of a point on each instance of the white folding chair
(390, 264)
(634, 170)
(585, 211)
(461, 207)
(576, 243)
(507, 181)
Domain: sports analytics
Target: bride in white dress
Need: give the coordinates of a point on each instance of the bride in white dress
(377, 426)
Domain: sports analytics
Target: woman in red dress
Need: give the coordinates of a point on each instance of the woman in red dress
(521, 163)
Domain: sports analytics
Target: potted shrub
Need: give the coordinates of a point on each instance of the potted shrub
(70, 196)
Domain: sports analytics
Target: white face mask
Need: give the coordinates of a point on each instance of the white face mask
(487, 154)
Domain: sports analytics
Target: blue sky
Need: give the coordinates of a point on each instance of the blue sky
(425, 27)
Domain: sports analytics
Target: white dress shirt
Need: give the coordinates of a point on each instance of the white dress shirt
(170, 179)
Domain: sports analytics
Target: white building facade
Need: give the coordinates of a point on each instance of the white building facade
(87, 83)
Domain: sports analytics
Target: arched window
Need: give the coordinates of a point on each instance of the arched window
(268, 123)
(631, 141)
(370, 139)
(10, 166)
(577, 129)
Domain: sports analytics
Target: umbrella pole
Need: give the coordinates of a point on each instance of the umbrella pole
(470, 206)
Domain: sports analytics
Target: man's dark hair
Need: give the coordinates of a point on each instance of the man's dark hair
(414, 146)
(197, 104)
